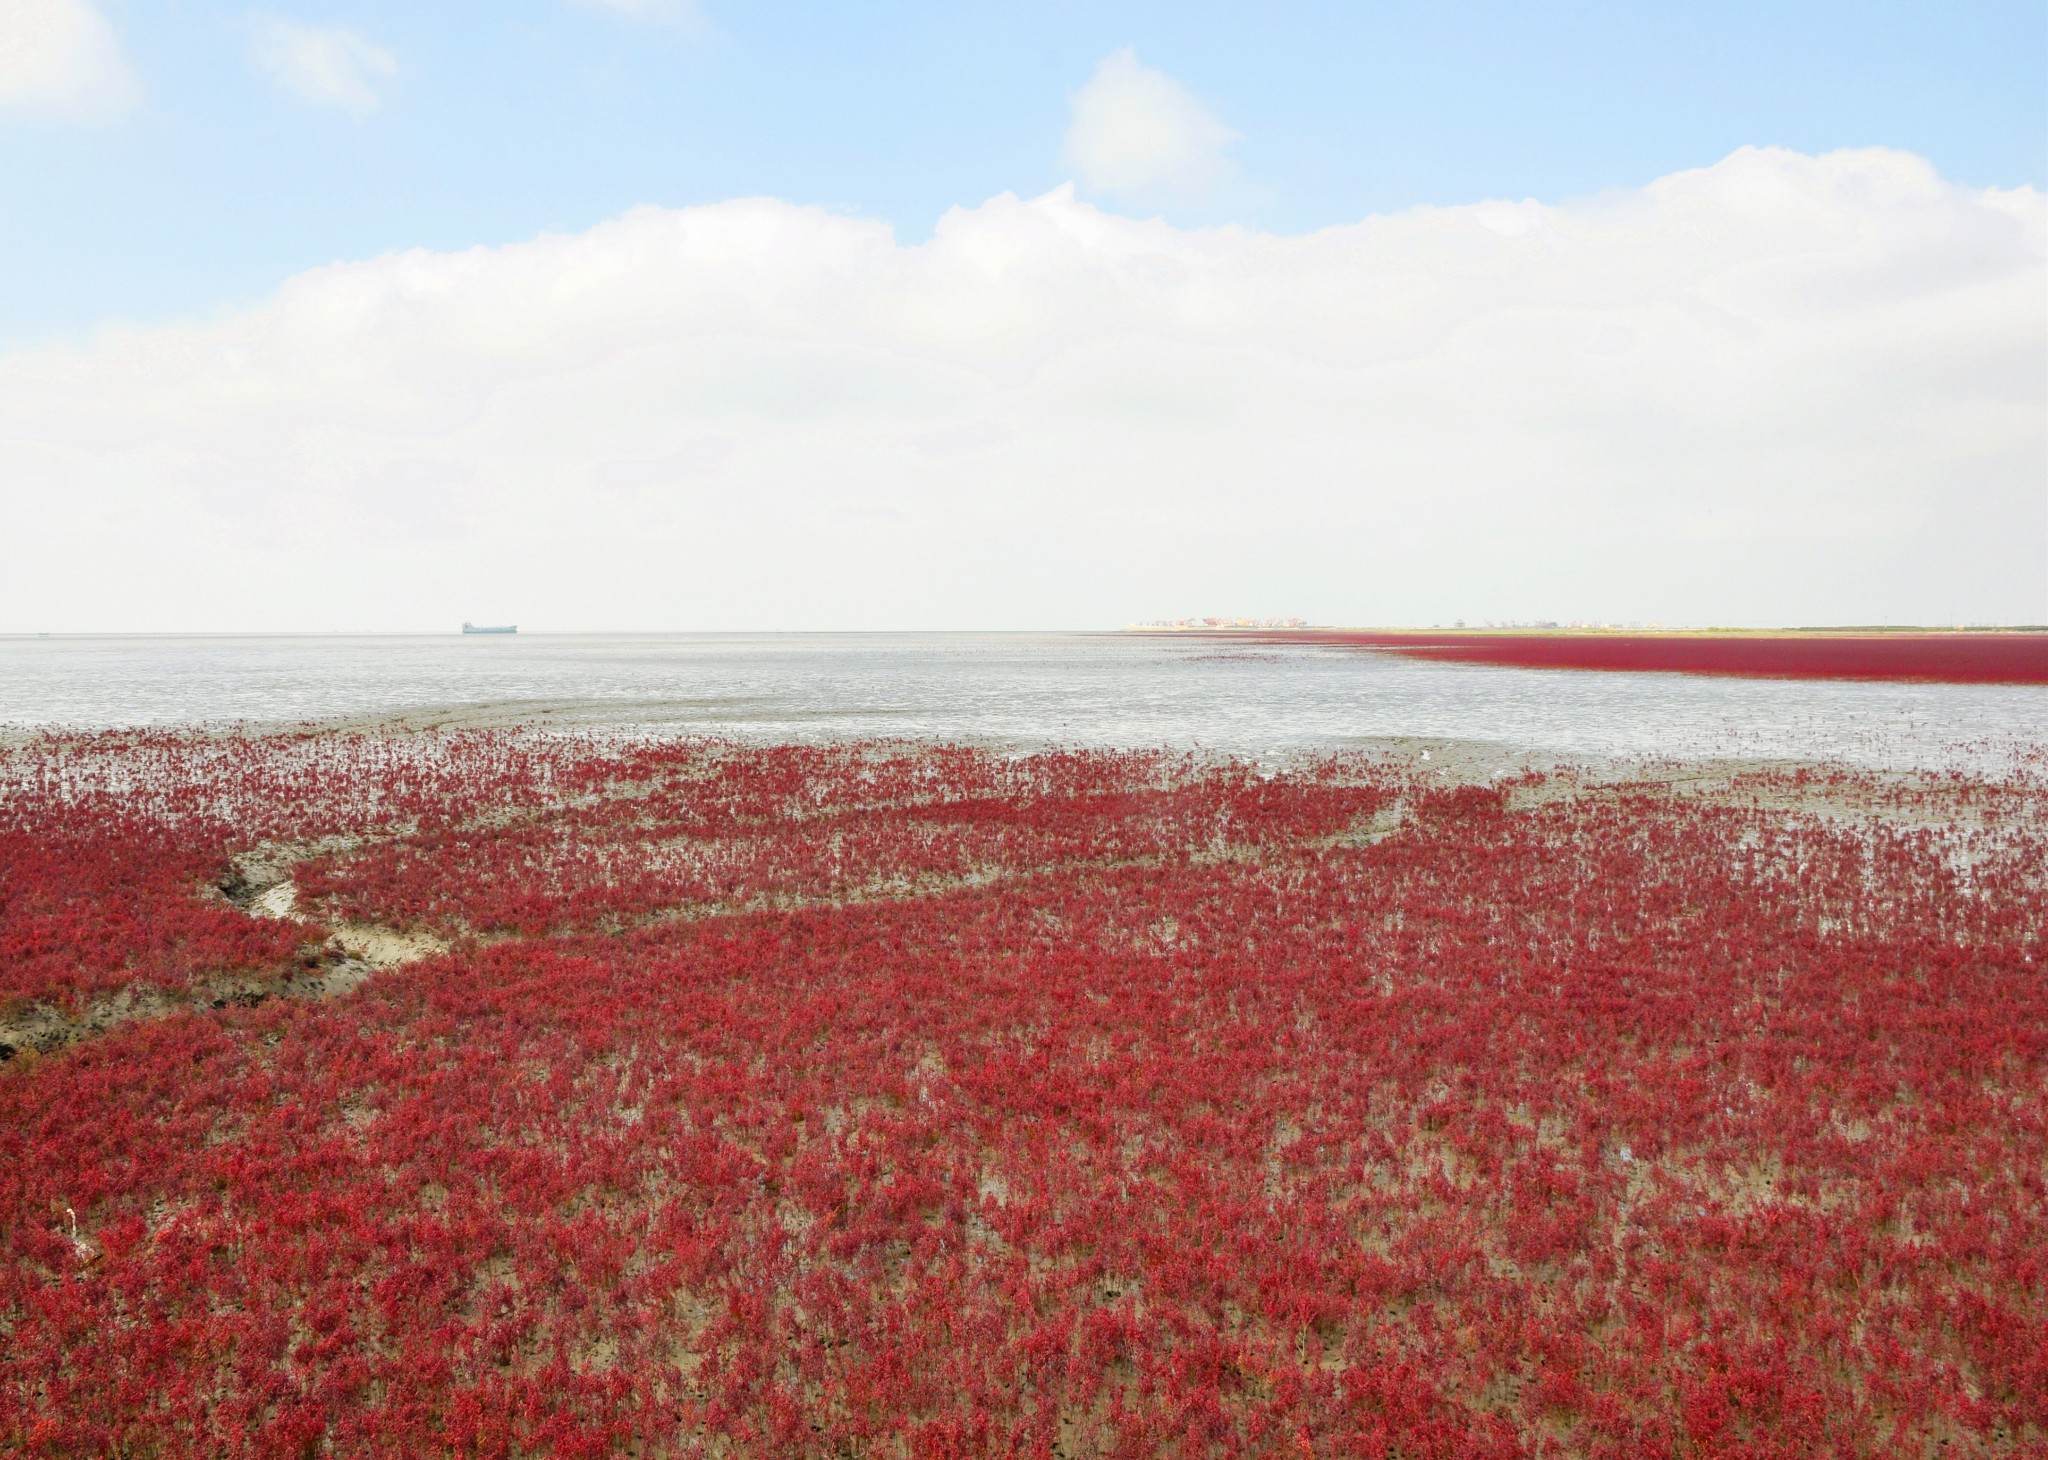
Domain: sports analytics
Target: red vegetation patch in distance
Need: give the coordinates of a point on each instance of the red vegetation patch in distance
(861, 1100)
(1951, 658)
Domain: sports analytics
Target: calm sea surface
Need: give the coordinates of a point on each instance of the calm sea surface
(1027, 689)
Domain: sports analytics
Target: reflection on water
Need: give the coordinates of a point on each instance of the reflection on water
(1099, 689)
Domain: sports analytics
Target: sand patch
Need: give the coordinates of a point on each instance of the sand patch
(383, 947)
(279, 901)
(259, 882)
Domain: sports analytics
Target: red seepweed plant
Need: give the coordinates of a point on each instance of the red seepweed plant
(2009, 657)
(892, 1099)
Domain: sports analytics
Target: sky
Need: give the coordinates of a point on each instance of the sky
(643, 314)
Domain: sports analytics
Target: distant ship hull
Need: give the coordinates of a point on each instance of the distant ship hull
(490, 628)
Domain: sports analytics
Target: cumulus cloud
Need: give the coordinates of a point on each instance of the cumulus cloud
(323, 65)
(1136, 133)
(1779, 389)
(61, 58)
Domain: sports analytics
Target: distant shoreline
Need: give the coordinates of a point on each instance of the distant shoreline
(1562, 631)
(1933, 656)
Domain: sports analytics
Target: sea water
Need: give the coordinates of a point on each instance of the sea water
(1235, 696)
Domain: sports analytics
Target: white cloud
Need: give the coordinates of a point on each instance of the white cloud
(1137, 133)
(61, 58)
(323, 65)
(1779, 389)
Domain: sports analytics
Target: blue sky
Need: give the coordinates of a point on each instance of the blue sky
(496, 122)
(631, 314)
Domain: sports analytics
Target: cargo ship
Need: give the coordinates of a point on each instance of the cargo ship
(470, 628)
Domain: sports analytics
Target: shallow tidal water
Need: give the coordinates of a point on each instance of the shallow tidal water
(1237, 697)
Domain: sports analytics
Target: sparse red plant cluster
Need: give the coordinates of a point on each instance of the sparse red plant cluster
(112, 847)
(1949, 658)
(96, 898)
(879, 1100)
(687, 832)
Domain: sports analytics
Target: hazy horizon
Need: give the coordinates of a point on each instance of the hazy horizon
(545, 631)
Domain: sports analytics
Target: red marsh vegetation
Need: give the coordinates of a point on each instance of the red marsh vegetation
(898, 1100)
(1944, 657)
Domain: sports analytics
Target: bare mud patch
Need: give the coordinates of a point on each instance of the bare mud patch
(258, 882)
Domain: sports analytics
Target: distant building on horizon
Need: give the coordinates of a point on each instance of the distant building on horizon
(1223, 623)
